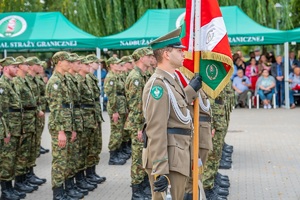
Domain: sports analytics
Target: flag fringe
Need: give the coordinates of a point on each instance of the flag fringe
(186, 72)
(208, 55)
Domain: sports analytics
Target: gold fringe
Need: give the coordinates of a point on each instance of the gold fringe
(208, 55)
(188, 55)
(186, 72)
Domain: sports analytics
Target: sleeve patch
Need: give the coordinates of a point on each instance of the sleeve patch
(157, 92)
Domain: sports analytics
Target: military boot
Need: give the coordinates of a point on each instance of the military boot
(103, 178)
(70, 190)
(91, 177)
(146, 187)
(81, 183)
(223, 177)
(32, 178)
(58, 193)
(137, 192)
(21, 186)
(7, 192)
(122, 155)
(125, 148)
(115, 160)
(21, 195)
(25, 181)
(188, 196)
(80, 190)
(211, 195)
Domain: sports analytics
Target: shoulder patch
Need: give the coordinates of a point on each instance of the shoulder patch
(1, 90)
(157, 92)
(55, 86)
(111, 83)
(136, 82)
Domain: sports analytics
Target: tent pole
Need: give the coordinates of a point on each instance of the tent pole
(5, 53)
(286, 75)
(98, 54)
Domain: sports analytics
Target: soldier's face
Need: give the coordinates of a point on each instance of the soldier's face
(176, 57)
(95, 66)
(76, 66)
(24, 67)
(146, 61)
(13, 69)
(153, 61)
(128, 66)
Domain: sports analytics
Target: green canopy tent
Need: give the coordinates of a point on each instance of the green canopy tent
(242, 30)
(47, 31)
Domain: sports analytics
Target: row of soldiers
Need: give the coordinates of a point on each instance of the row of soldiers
(22, 112)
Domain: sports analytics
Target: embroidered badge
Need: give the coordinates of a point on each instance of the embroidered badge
(136, 82)
(55, 86)
(1, 90)
(111, 82)
(157, 92)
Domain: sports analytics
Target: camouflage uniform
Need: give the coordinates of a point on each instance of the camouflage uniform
(74, 165)
(11, 108)
(36, 92)
(114, 89)
(89, 118)
(92, 82)
(220, 125)
(134, 86)
(28, 124)
(60, 119)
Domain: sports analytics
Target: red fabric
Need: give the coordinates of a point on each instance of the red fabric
(297, 87)
(181, 78)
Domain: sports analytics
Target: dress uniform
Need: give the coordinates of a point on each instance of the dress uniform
(12, 115)
(114, 89)
(166, 152)
(134, 86)
(60, 123)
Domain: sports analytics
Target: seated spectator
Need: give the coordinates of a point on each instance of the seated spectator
(263, 63)
(294, 80)
(241, 86)
(252, 73)
(265, 87)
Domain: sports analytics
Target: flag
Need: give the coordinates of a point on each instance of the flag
(204, 30)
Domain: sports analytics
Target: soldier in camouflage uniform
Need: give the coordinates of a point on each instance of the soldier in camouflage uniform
(212, 189)
(33, 63)
(93, 83)
(29, 106)
(134, 86)
(116, 107)
(60, 125)
(12, 115)
(152, 67)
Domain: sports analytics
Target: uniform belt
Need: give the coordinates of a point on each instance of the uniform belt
(97, 99)
(204, 118)
(15, 110)
(179, 131)
(120, 94)
(219, 101)
(66, 105)
(87, 105)
(29, 108)
(76, 106)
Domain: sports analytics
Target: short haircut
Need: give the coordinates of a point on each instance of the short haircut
(158, 53)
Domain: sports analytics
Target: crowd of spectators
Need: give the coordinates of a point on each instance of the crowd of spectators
(263, 74)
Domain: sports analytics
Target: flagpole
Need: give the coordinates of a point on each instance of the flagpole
(196, 25)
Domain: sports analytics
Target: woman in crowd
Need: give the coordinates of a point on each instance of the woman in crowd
(265, 87)
(294, 80)
(252, 73)
(263, 63)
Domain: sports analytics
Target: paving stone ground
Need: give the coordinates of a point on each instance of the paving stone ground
(266, 159)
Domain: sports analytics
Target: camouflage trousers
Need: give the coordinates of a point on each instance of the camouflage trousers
(59, 159)
(116, 133)
(23, 154)
(98, 143)
(72, 159)
(137, 172)
(92, 144)
(8, 154)
(40, 123)
(82, 139)
(213, 160)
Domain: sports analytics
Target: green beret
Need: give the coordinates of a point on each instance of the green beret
(8, 61)
(33, 61)
(93, 58)
(171, 39)
(113, 60)
(60, 56)
(21, 59)
(141, 52)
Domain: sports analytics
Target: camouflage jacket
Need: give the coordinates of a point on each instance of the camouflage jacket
(87, 97)
(10, 100)
(59, 97)
(35, 89)
(3, 127)
(42, 89)
(93, 83)
(115, 90)
(218, 111)
(26, 95)
(75, 95)
(134, 86)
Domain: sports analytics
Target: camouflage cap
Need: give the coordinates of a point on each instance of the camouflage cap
(74, 57)
(141, 52)
(93, 58)
(33, 61)
(8, 61)
(44, 64)
(21, 59)
(113, 60)
(126, 59)
(81, 59)
(61, 56)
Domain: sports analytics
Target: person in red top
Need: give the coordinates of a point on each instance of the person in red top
(252, 73)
